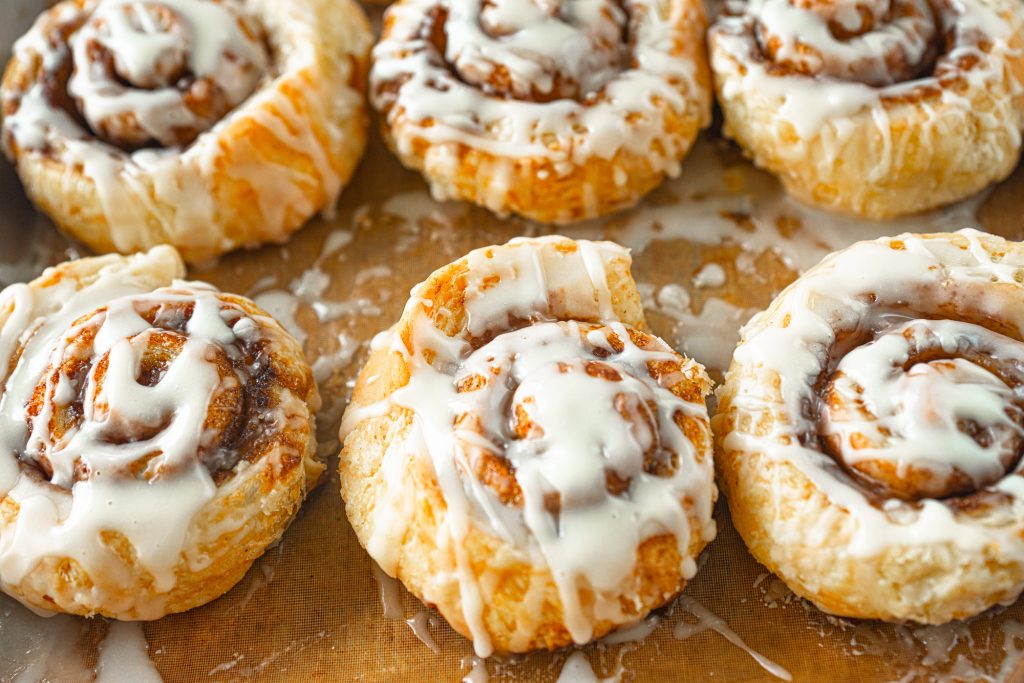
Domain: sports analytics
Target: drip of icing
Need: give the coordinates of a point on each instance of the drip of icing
(308, 290)
(709, 276)
(390, 593)
(47, 648)
(477, 670)
(708, 336)
(241, 670)
(391, 600)
(124, 656)
(707, 620)
(420, 624)
(35, 648)
(260, 579)
(577, 669)
(634, 633)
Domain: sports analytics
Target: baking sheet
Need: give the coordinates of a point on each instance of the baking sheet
(310, 608)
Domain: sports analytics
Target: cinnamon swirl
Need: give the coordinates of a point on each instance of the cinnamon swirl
(523, 455)
(205, 124)
(871, 427)
(557, 111)
(157, 436)
(874, 107)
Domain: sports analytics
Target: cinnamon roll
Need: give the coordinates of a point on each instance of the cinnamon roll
(157, 435)
(523, 455)
(871, 427)
(874, 107)
(205, 124)
(557, 111)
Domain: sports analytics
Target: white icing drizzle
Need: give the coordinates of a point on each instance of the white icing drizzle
(577, 669)
(707, 620)
(826, 80)
(578, 432)
(124, 656)
(867, 289)
(537, 44)
(498, 55)
(709, 276)
(84, 486)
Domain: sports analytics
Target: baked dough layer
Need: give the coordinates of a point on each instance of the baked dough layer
(463, 523)
(154, 471)
(257, 175)
(928, 330)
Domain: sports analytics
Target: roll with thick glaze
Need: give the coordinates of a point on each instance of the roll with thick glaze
(557, 111)
(157, 435)
(523, 455)
(876, 108)
(871, 427)
(205, 124)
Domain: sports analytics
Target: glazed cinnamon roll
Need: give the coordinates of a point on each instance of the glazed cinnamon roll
(871, 427)
(874, 107)
(204, 124)
(523, 455)
(557, 111)
(157, 435)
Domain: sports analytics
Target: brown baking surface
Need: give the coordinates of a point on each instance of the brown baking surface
(310, 609)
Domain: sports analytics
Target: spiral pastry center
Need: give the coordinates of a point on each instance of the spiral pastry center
(876, 42)
(164, 71)
(539, 50)
(145, 388)
(930, 409)
(556, 410)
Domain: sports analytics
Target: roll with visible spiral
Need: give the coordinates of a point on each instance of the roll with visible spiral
(522, 454)
(554, 110)
(871, 428)
(157, 436)
(876, 108)
(205, 124)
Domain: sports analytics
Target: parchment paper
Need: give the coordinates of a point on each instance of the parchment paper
(310, 609)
